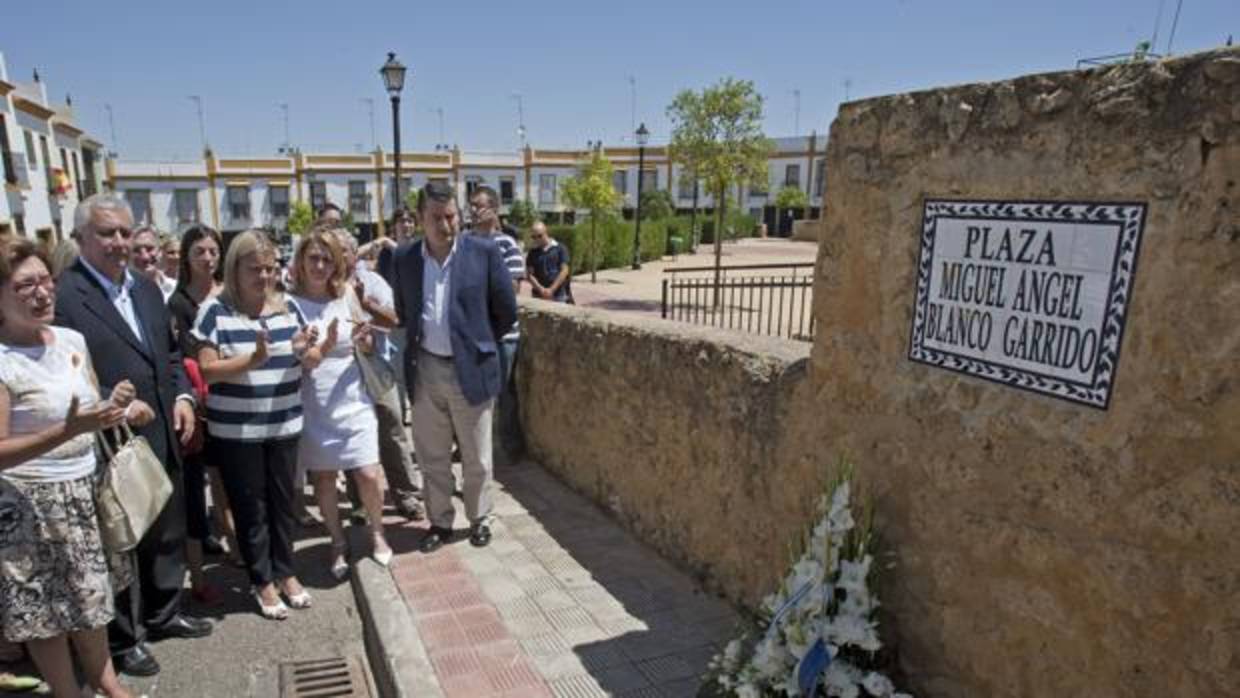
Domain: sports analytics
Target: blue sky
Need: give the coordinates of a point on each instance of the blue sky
(570, 61)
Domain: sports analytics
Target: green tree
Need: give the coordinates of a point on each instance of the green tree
(787, 199)
(411, 199)
(718, 133)
(657, 205)
(300, 217)
(522, 214)
(591, 189)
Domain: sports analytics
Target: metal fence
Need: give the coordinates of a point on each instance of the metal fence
(767, 299)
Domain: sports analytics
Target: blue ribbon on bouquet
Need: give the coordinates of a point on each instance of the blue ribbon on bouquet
(788, 606)
(809, 670)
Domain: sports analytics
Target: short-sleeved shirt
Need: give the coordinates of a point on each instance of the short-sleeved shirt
(546, 264)
(42, 380)
(261, 403)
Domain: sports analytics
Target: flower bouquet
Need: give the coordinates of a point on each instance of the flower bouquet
(817, 634)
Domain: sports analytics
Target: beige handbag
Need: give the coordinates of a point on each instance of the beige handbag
(378, 377)
(132, 492)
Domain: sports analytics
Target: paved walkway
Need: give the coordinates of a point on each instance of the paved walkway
(641, 291)
(563, 603)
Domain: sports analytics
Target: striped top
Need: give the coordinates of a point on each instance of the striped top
(262, 403)
(514, 262)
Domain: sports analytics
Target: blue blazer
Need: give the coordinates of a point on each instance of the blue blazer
(482, 308)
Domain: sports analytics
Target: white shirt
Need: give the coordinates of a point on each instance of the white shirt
(121, 297)
(42, 380)
(436, 288)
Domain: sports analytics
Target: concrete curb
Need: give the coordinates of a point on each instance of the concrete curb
(394, 649)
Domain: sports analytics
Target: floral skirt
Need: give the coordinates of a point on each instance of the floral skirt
(55, 576)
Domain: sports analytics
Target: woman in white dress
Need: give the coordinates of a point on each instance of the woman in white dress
(340, 431)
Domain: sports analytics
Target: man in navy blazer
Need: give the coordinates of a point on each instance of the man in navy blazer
(129, 334)
(455, 300)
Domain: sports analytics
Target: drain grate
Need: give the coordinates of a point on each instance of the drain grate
(337, 677)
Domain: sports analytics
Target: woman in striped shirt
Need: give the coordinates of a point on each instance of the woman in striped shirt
(254, 344)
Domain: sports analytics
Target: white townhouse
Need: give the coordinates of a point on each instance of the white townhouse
(232, 194)
(49, 163)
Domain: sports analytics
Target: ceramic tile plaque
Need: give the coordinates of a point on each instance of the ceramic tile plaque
(1029, 294)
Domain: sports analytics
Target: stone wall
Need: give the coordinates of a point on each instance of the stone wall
(1043, 548)
(676, 429)
(1039, 548)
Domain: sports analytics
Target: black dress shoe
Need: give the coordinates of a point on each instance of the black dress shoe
(435, 538)
(181, 626)
(135, 661)
(479, 535)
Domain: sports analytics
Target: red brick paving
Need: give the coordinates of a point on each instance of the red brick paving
(472, 651)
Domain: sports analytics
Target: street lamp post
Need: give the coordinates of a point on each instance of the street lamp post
(642, 135)
(394, 80)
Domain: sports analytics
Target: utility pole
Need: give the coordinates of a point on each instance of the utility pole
(112, 129)
(370, 110)
(632, 104)
(520, 118)
(796, 112)
(441, 144)
(202, 126)
(287, 145)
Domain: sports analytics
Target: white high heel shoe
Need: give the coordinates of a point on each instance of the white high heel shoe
(276, 611)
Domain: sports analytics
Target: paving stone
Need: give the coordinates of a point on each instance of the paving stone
(518, 558)
(699, 657)
(620, 679)
(467, 686)
(529, 626)
(554, 600)
(579, 686)
(668, 668)
(455, 662)
(512, 675)
(650, 692)
(484, 564)
(642, 646)
(570, 617)
(558, 666)
(527, 571)
(441, 631)
(600, 655)
(540, 585)
(622, 625)
(545, 645)
(501, 588)
(523, 607)
(682, 687)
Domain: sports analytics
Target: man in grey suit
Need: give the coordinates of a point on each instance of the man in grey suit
(455, 300)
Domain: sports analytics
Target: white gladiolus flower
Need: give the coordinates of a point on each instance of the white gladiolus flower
(853, 574)
(877, 685)
(835, 604)
(840, 680)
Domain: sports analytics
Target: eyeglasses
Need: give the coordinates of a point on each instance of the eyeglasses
(478, 207)
(25, 289)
